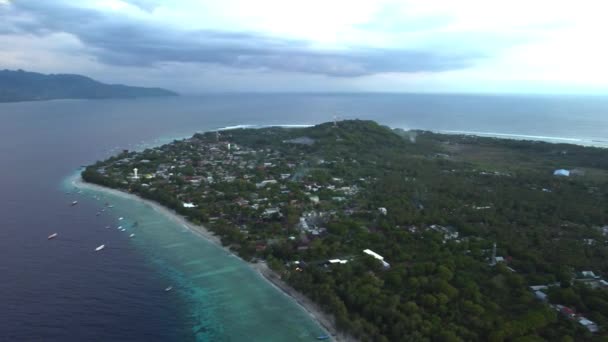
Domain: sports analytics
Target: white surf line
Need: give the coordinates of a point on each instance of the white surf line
(519, 136)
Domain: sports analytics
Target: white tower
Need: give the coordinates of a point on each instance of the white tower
(135, 176)
(228, 146)
(335, 121)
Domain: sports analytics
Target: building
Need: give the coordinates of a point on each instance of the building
(561, 173)
(377, 256)
(540, 295)
(566, 311)
(591, 326)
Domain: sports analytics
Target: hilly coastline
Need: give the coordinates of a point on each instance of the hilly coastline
(16, 86)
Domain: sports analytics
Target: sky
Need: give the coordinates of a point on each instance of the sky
(201, 46)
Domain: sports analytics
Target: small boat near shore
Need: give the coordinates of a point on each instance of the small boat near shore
(100, 248)
(132, 235)
(323, 337)
(74, 203)
(169, 288)
(52, 236)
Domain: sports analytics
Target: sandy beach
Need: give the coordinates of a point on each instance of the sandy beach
(324, 319)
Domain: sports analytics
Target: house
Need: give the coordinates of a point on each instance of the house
(383, 211)
(540, 295)
(271, 211)
(189, 205)
(561, 173)
(591, 326)
(377, 256)
(538, 287)
(566, 311)
(588, 274)
(266, 182)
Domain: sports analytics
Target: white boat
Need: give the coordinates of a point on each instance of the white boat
(119, 227)
(132, 235)
(100, 248)
(123, 230)
(52, 236)
(74, 203)
(120, 218)
(168, 288)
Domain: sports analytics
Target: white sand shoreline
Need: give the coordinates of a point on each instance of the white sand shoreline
(322, 318)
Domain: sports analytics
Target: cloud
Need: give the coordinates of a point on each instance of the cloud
(125, 40)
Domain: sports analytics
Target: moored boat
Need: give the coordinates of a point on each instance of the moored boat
(100, 248)
(74, 203)
(52, 236)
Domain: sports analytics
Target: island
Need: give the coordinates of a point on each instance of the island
(399, 235)
(21, 85)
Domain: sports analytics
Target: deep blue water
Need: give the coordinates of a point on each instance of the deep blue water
(61, 290)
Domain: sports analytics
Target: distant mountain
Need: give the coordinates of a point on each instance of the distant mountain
(31, 86)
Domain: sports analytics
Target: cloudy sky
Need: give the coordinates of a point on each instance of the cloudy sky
(196, 46)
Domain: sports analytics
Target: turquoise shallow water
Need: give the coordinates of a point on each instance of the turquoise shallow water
(222, 298)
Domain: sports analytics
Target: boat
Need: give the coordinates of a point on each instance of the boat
(107, 227)
(74, 203)
(167, 289)
(119, 227)
(132, 235)
(100, 248)
(123, 230)
(121, 218)
(323, 337)
(52, 236)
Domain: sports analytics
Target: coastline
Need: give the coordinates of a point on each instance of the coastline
(323, 319)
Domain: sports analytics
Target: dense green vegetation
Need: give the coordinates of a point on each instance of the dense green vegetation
(438, 287)
(29, 86)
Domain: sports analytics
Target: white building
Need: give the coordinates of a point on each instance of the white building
(189, 205)
(561, 173)
(377, 256)
(591, 326)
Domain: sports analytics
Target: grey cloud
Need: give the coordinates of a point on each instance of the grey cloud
(116, 40)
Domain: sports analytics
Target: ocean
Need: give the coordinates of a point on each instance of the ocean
(61, 290)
